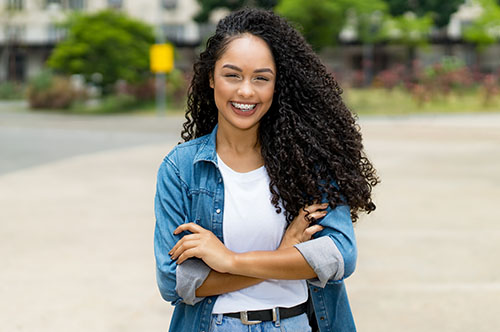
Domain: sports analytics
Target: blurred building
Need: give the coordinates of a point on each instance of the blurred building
(351, 60)
(29, 31)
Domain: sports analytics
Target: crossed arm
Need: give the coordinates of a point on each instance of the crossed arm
(232, 271)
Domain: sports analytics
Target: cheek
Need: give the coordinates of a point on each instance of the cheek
(221, 94)
(221, 88)
(268, 94)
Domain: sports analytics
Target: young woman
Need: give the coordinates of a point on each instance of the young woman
(254, 211)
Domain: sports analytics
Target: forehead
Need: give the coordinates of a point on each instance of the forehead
(247, 51)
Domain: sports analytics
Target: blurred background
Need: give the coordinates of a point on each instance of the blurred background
(88, 109)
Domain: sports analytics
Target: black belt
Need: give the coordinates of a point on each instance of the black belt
(259, 316)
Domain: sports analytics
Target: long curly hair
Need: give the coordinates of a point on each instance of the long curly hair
(311, 144)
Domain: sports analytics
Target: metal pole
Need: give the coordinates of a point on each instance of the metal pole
(161, 100)
(160, 78)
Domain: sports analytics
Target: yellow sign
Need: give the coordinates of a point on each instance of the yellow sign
(161, 57)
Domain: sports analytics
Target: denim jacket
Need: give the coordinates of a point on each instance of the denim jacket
(190, 189)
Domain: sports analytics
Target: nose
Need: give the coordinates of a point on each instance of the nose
(245, 90)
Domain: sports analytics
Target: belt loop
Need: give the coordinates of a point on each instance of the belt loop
(276, 317)
(218, 319)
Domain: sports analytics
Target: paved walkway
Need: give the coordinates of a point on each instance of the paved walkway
(76, 224)
(428, 257)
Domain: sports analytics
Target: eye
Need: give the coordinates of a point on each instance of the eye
(231, 75)
(262, 78)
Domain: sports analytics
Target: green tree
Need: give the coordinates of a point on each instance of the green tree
(409, 30)
(486, 29)
(321, 21)
(207, 6)
(108, 43)
(440, 10)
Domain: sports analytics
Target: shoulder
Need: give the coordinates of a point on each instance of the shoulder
(182, 156)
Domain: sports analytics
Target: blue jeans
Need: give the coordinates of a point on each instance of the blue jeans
(221, 323)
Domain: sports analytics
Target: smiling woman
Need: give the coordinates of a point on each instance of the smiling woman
(243, 82)
(254, 210)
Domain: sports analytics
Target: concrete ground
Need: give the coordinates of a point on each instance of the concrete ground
(76, 223)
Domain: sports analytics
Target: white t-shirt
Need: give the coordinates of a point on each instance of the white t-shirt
(251, 223)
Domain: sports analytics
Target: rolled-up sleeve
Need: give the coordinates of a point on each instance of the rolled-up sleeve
(177, 283)
(333, 253)
(190, 275)
(324, 258)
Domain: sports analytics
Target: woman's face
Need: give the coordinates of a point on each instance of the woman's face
(243, 82)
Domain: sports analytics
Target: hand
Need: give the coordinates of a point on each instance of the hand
(202, 244)
(300, 229)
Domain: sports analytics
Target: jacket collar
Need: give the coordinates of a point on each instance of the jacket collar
(207, 151)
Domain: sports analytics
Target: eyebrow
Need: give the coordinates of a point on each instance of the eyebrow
(260, 70)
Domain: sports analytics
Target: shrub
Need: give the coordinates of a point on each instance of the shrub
(449, 77)
(11, 90)
(176, 88)
(47, 91)
(143, 91)
(108, 104)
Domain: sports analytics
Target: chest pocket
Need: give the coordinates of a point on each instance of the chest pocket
(202, 205)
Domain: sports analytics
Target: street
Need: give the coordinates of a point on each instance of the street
(76, 223)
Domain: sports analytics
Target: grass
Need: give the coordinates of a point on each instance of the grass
(399, 102)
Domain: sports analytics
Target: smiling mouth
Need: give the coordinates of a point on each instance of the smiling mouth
(243, 107)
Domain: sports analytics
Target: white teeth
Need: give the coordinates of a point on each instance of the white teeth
(243, 107)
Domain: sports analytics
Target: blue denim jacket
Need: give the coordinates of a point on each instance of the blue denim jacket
(190, 189)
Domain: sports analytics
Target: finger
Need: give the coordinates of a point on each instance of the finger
(310, 231)
(190, 226)
(187, 254)
(313, 216)
(316, 215)
(314, 207)
(186, 245)
(182, 240)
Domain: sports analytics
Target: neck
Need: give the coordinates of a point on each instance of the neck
(239, 149)
(239, 141)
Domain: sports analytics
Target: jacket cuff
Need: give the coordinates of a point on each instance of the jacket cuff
(324, 258)
(189, 276)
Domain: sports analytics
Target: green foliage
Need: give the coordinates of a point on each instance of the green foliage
(447, 64)
(108, 43)
(42, 81)
(486, 29)
(11, 90)
(207, 6)
(321, 21)
(118, 103)
(440, 10)
(407, 29)
(177, 86)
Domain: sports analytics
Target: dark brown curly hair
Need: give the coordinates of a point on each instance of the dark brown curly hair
(311, 144)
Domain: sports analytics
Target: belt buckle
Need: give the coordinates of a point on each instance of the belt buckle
(244, 319)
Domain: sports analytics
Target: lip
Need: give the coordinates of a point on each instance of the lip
(240, 112)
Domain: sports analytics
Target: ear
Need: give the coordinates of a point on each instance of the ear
(211, 81)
